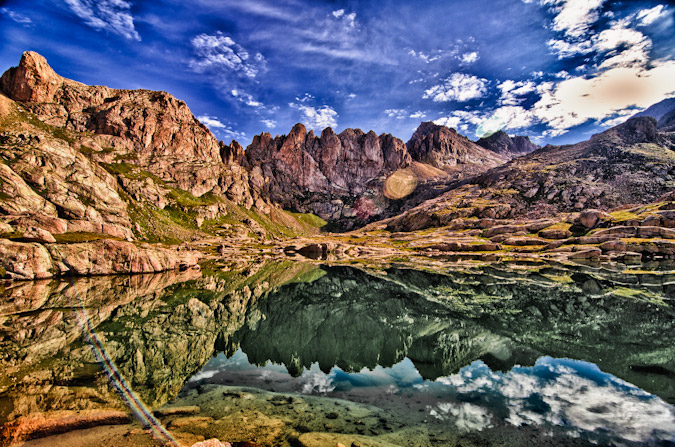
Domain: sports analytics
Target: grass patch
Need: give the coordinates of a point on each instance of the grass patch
(622, 216)
(76, 237)
(186, 199)
(309, 219)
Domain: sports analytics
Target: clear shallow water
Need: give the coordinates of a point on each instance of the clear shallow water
(571, 397)
(476, 357)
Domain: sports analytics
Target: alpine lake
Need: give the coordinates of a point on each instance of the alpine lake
(294, 352)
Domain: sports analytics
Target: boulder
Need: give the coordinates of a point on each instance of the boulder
(555, 234)
(33, 234)
(592, 218)
(25, 260)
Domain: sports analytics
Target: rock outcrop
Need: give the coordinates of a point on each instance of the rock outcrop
(22, 260)
(502, 143)
(353, 177)
(663, 112)
(326, 175)
(444, 148)
(150, 129)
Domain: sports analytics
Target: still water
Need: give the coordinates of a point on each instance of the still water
(301, 354)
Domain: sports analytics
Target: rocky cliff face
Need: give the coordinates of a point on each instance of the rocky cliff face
(353, 177)
(501, 143)
(444, 148)
(328, 175)
(81, 163)
(152, 130)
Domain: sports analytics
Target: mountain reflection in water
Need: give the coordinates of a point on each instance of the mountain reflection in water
(554, 393)
(470, 351)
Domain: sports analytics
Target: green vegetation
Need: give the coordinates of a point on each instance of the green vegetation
(73, 238)
(15, 235)
(309, 219)
(186, 199)
(622, 216)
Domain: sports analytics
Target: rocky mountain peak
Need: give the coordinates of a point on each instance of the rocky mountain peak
(501, 143)
(32, 80)
(642, 129)
(444, 148)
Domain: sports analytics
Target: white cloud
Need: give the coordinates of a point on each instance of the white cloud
(426, 58)
(577, 100)
(305, 98)
(566, 49)
(348, 20)
(513, 92)
(458, 87)
(646, 17)
(220, 53)
(220, 128)
(270, 124)
(504, 118)
(460, 119)
(399, 114)
(624, 47)
(212, 121)
(469, 58)
(246, 98)
(317, 118)
(418, 114)
(109, 15)
(468, 417)
(574, 17)
(15, 16)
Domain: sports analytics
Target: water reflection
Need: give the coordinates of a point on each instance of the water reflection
(572, 397)
(365, 336)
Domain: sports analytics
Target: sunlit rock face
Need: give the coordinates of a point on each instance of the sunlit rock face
(444, 148)
(150, 129)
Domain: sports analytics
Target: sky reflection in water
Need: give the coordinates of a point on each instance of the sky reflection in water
(569, 395)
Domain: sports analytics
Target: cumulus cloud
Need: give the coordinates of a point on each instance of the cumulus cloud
(349, 20)
(574, 17)
(469, 58)
(506, 118)
(110, 15)
(418, 114)
(622, 46)
(566, 49)
(317, 118)
(399, 114)
(468, 417)
(460, 119)
(246, 98)
(512, 92)
(458, 87)
(211, 121)
(426, 58)
(218, 52)
(576, 401)
(270, 124)
(646, 17)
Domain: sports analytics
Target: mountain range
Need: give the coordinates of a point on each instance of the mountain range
(134, 173)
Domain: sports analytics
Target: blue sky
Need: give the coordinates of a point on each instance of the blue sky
(556, 70)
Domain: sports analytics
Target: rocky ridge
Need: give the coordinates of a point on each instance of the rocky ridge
(502, 143)
(444, 148)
